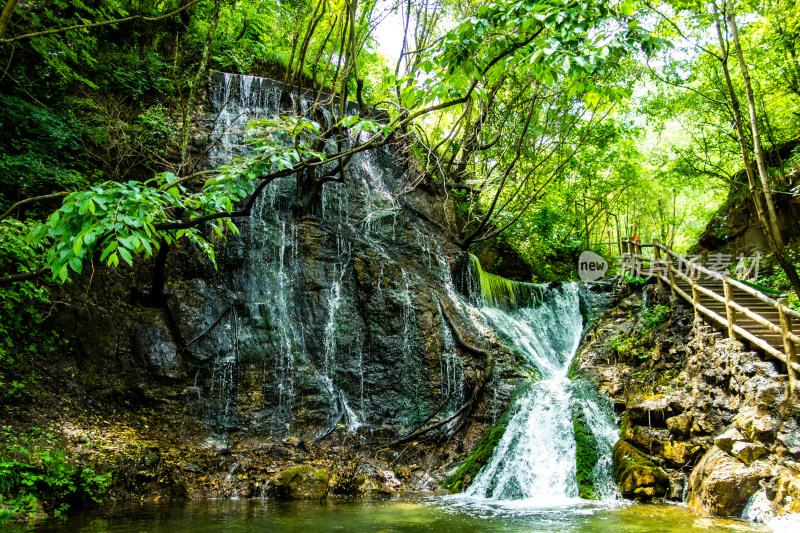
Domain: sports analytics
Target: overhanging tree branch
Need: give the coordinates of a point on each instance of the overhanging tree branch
(4, 22)
(24, 276)
(30, 201)
(5, 17)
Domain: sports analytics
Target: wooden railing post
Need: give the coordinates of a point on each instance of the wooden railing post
(626, 249)
(695, 292)
(638, 254)
(670, 271)
(657, 262)
(788, 344)
(623, 246)
(729, 311)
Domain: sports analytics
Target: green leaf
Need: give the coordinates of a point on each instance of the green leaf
(76, 264)
(126, 255)
(78, 244)
(108, 249)
(63, 273)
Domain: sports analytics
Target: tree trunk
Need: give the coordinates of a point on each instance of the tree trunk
(196, 85)
(159, 275)
(308, 193)
(5, 17)
(766, 224)
(751, 104)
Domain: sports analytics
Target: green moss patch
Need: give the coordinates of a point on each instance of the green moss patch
(636, 475)
(586, 457)
(468, 470)
(466, 473)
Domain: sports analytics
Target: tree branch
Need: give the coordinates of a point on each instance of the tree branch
(11, 278)
(243, 212)
(30, 201)
(93, 24)
(5, 17)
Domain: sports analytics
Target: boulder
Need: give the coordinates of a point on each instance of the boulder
(726, 441)
(649, 411)
(302, 482)
(646, 438)
(757, 424)
(679, 453)
(677, 484)
(153, 345)
(680, 425)
(636, 475)
(747, 452)
(721, 485)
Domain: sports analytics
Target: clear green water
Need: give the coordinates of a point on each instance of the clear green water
(439, 515)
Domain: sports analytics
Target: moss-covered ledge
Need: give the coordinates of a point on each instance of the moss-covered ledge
(467, 471)
(586, 457)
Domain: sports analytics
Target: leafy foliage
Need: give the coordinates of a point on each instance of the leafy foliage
(21, 309)
(548, 40)
(39, 148)
(652, 317)
(34, 471)
(120, 220)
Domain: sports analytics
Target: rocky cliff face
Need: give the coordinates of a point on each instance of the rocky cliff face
(317, 341)
(702, 419)
(735, 228)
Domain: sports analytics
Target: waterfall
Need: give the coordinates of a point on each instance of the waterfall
(304, 346)
(535, 460)
(333, 322)
(490, 290)
(264, 273)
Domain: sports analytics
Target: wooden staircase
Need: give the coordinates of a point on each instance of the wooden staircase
(747, 313)
(745, 300)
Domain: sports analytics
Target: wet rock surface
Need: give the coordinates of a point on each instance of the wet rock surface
(636, 475)
(316, 342)
(713, 416)
(303, 483)
(721, 484)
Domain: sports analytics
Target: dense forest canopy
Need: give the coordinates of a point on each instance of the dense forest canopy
(553, 124)
(526, 130)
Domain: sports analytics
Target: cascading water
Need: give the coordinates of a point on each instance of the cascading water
(535, 460)
(267, 265)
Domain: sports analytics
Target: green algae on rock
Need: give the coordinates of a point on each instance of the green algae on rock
(303, 482)
(586, 457)
(636, 475)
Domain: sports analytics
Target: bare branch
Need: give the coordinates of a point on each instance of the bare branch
(30, 201)
(24, 276)
(93, 24)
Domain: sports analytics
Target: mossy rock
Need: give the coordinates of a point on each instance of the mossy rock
(303, 482)
(636, 475)
(586, 457)
(465, 475)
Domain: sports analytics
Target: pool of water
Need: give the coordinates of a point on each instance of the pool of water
(434, 514)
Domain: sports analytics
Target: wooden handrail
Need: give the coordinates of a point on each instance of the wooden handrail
(722, 277)
(693, 270)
